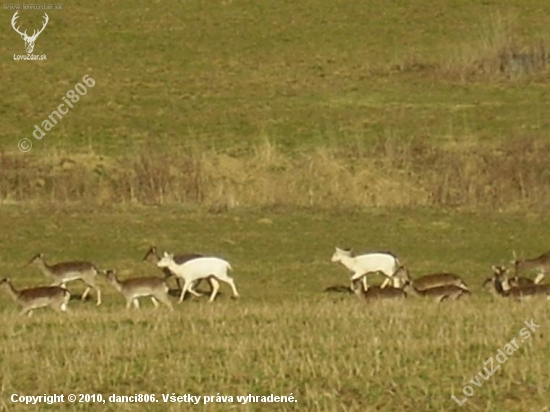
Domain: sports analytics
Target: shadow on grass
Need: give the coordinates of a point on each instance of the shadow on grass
(338, 289)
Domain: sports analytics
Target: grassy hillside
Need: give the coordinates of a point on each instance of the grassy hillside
(235, 103)
(225, 73)
(268, 133)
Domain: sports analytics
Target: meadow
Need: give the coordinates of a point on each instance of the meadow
(285, 334)
(268, 133)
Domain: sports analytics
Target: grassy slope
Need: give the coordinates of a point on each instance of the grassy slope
(284, 335)
(227, 72)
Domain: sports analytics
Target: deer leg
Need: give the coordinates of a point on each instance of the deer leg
(162, 297)
(397, 283)
(441, 298)
(215, 288)
(385, 283)
(178, 282)
(196, 284)
(209, 281)
(155, 303)
(183, 290)
(231, 283)
(192, 290)
(87, 290)
(90, 283)
(93, 285)
(355, 277)
(98, 296)
(136, 303)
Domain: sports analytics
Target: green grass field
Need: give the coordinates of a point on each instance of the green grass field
(237, 103)
(226, 73)
(267, 133)
(285, 335)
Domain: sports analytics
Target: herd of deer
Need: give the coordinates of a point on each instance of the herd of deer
(440, 286)
(189, 268)
(194, 268)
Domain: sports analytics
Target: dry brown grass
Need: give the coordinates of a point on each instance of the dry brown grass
(392, 172)
(332, 354)
(496, 52)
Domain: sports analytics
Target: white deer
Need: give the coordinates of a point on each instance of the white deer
(211, 268)
(361, 265)
(29, 40)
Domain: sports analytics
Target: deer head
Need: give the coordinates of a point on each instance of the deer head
(29, 40)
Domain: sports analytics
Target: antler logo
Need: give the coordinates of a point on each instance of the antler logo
(29, 40)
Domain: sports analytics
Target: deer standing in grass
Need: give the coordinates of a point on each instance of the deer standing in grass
(211, 268)
(135, 288)
(65, 272)
(361, 265)
(55, 297)
(153, 257)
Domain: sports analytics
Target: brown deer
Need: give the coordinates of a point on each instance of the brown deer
(135, 288)
(430, 281)
(55, 297)
(65, 272)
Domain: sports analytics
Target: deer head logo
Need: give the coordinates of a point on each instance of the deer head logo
(29, 40)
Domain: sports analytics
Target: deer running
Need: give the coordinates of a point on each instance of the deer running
(55, 297)
(153, 257)
(135, 288)
(211, 268)
(65, 272)
(361, 265)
